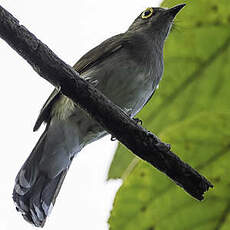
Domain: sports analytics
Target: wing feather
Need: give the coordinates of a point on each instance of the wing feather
(90, 59)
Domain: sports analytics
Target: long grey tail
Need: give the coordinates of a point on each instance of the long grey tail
(34, 192)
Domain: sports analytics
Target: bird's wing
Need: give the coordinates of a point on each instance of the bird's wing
(90, 59)
(99, 53)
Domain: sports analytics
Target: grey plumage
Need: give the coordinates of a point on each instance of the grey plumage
(127, 68)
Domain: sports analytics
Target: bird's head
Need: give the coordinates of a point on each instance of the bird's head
(155, 21)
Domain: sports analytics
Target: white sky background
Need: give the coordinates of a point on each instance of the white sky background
(70, 28)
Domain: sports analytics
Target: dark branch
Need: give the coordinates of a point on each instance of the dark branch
(141, 142)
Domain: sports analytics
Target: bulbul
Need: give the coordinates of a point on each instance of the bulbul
(126, 68)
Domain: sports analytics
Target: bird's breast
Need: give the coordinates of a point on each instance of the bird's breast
(123, 80)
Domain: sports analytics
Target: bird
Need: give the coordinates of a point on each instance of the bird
(127, 69)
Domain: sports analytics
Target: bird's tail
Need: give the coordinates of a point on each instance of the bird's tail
(34, 192)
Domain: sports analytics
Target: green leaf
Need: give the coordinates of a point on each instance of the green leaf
(148, 200)
(121, 160)
(196, 76)
(191, 112)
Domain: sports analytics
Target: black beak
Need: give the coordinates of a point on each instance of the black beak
(174, 11)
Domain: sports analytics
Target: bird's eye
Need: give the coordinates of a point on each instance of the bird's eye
(147, 13)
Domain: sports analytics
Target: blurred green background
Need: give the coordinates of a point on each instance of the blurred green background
(191, 111)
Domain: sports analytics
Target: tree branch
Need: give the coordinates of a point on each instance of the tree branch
(140, 141)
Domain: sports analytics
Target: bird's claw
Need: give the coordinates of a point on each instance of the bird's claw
(113, 138)
(58, 88)
(138, 121)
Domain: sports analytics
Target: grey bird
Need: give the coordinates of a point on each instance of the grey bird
(126, 68)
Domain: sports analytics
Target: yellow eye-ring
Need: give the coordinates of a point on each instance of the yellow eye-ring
(147, 13)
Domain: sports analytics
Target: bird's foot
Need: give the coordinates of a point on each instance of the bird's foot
(58, 88)
(113, 138)
(138, 121)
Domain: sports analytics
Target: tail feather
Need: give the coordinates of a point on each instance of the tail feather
(29, 171)
(34, 192)
(36, 204)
